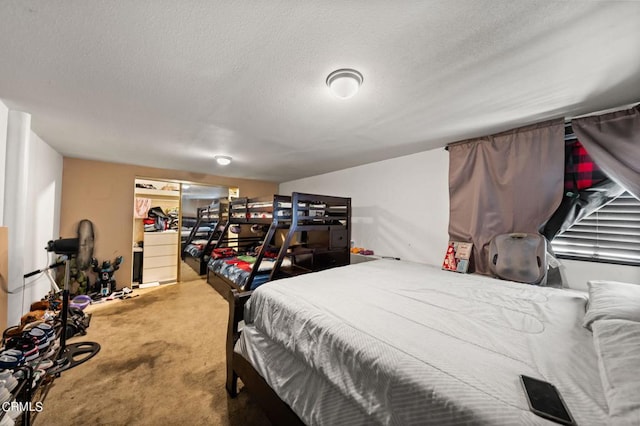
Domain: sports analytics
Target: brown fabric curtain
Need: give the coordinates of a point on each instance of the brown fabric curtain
(613, 141)
(509, 182)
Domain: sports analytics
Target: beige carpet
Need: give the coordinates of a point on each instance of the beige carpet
(162, 362)
(187, 273)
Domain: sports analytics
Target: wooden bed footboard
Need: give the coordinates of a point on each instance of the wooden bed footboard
(278, 411)
(237, 300)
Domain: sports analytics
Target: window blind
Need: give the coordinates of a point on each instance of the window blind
(610, 234)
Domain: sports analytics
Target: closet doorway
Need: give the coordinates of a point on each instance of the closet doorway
(156, 225)
(165, 214)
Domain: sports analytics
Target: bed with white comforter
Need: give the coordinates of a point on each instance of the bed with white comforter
(392, 342)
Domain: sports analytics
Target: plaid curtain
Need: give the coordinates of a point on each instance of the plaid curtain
(580, 172)
(613, 140)
(586, 189)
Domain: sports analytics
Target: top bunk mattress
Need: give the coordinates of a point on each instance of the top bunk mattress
(411, 344)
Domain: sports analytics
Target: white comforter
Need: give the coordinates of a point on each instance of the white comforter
(389, 342)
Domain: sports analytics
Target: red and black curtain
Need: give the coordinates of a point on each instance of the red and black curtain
(602, 160)
(586, 188)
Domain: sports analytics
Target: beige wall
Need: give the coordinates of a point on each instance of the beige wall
(103, 193)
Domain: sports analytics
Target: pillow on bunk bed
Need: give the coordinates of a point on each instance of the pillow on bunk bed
(612, 300)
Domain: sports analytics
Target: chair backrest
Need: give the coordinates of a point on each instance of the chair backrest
(519, 257)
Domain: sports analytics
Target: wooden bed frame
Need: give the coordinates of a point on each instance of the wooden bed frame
(276, 222)
(278, 412)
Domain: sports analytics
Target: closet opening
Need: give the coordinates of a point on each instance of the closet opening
(166, 219)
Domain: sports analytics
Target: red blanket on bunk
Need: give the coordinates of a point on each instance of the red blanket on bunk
(245, 266)
(223, 252)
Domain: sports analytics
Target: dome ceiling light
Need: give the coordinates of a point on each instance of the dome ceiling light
(223, 160)
(344, 83)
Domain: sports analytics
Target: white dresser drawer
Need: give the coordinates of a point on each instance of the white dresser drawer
(160, 238)
(154, 251)
(160, 261)
(160, 256)
(164, 274)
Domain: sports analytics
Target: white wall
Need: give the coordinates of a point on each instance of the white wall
(45, 185)
(578, 273)
(401, 209)
(400, 206)
(42, 216)
(4, 116)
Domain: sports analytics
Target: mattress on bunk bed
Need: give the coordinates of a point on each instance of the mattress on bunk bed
(238, 269)
(389, 342)
(202, 230)
(255, 215)
(195, 248)
(282, 210)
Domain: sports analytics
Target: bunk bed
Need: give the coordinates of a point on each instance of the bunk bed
(317, 237)
(245, 254)
(205, 234)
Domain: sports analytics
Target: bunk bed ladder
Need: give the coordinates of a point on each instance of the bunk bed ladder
(192, 234)
(270, 233)
(223, 236)
(287, 241)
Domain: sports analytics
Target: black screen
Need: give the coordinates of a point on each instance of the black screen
(544, 397)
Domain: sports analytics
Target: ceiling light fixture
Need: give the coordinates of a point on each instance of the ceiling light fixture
(223, 160)
(344, 83)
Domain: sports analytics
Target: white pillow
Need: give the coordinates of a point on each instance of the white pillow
(612, 300)
(617, 344)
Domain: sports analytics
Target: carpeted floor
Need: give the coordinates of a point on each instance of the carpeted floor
(187, 273)
(162, 362)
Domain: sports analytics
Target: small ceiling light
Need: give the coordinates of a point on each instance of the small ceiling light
(223, 160)
(344, 83)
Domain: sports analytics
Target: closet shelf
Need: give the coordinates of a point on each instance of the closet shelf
(158, 193)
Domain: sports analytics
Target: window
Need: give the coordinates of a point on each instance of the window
(611, 234)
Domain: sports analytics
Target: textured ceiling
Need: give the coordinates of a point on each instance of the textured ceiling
(171, 83)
